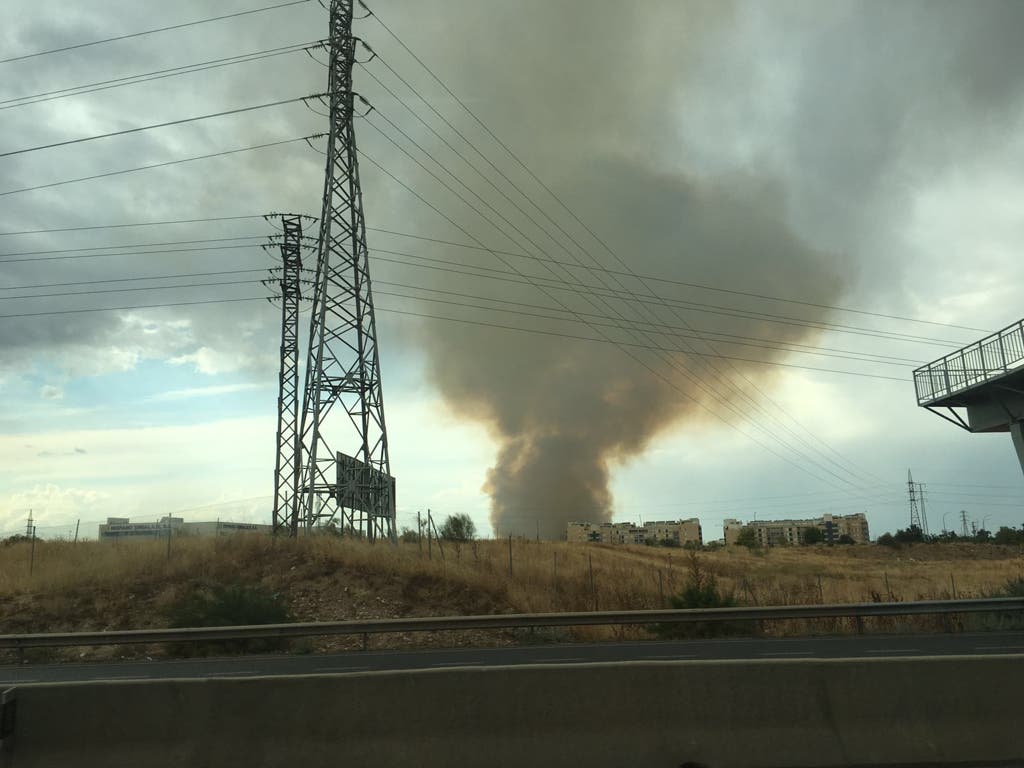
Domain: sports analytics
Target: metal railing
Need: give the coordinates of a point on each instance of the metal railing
(976, 363)
(512, 621)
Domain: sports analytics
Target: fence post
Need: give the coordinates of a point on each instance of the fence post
(952, 583)
(661, 588)
(593, 589)
(821, 591)
(77, 523)
(32, 556)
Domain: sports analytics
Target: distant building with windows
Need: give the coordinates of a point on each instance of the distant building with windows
(675, 532)
(117, 528)
(774, 533)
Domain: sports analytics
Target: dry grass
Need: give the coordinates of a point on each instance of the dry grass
(101, 586)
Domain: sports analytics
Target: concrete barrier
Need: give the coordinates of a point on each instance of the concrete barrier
(924, 711)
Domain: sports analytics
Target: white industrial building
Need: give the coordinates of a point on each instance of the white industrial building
(117, 528)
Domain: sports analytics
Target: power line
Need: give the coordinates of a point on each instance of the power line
(132, 253)
(159, 165)
(132, 245)
(633, 344)
(152, 31)
(423, 315)
(662, 279)
(655, 299)
(701, 286)
(669, 330)
(126, 279)
(129, 225)
(130, 290)
(154, 126)
(145, 77)
(137, 306)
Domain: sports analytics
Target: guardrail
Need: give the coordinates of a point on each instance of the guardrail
(976, 363)
(511, 621)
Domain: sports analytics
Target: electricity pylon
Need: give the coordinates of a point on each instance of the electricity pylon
(918, 518)
(288, 464)
(346, 477)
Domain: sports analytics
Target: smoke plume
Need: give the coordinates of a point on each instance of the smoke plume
(602, 91)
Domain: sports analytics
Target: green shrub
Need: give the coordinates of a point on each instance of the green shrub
(228, 606)
(701, 591)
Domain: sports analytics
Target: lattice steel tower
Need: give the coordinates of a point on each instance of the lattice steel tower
(288, 465)
(915, 491)
(346, 475)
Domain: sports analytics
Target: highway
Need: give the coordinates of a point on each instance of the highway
(853, 647)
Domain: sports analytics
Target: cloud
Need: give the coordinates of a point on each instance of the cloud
(213, 391)
(50, 392)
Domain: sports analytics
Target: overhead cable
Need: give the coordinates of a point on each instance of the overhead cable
(183, 25)
(154, 165)
(153, 126)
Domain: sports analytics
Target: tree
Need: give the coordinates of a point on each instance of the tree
(1007, 535)
(458, 528)
(911, 535)
(888, 540)
(409, 535)
(747, 538)
(846, 539)
(813, 536)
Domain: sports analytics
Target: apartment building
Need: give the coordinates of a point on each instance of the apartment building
(678, 532)
(774, 533)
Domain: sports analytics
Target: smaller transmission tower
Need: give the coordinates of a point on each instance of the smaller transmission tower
(924, 514)
(286, 279)
(917, 519)
(963, 523)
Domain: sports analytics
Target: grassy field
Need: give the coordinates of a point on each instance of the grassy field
(102, 586)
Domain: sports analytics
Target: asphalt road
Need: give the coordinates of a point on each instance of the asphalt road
(866, 646)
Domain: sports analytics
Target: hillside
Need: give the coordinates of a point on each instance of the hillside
(128, 585)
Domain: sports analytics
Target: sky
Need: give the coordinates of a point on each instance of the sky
(604, 185)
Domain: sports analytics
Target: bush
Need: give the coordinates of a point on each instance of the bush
(888, 540)
(747, 538)
(228, 606)
(459, 528)
(701, 591)
(1012, 588)
(813, 536)
(997, 622)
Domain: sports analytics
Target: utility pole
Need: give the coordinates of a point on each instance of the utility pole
(342, 395)
(288, 463)
(30, 528)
